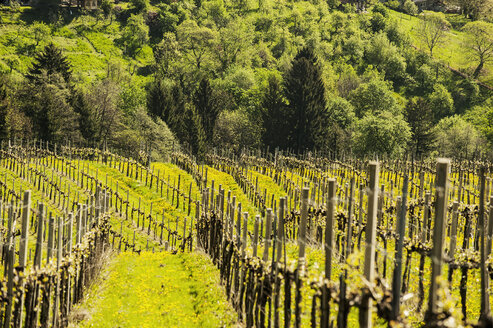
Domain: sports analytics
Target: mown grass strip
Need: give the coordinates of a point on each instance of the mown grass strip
(157, 290)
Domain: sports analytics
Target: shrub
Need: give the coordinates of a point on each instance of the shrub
(393, 4)
(410, 8)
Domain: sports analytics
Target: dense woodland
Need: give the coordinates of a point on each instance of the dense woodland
(294, 75)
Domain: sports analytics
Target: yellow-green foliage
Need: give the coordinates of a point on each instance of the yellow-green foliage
(158, 290)
(88, 43)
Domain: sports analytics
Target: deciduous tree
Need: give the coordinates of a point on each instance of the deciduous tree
(432, 29)
(479, 42)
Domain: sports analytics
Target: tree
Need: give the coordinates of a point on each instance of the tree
(50, 62)
(140, 5)
(441, 103)
(166, 52)
(233, 41)
(103, 99)
(457, 138)
(139, 128)
(419, 115)
(432, 28)
(196, 41)
(465, 94)
(385, 57)
(481, 116)
(235, 131)
(372, 98)
(159, 99)
(274, 123)
(305, 94)
(474, 9)
(135, 35)
(47, 105)
(381, 134)
(194, 134)
(107, 8)
(410, 7)
(40, 31)
(85, 111)
(206, 107)
(341, 121)
(479, 42)
(4, 106)
(425, 79)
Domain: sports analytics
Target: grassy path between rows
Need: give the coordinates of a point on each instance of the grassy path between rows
(156, 290)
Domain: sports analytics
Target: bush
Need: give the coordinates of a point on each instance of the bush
(373, 98)
(140, 5)
(378, 22)
(394, 4)
(441, 102)
(379, 8)
(235, 131)
(457, 138)
(410, 8)
(382, 134)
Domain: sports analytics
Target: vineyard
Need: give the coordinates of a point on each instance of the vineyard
(255, 240)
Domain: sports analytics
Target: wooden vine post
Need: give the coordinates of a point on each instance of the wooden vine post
(268, 231)
(328, 246)
(485, 280)
(365, 314)
(490, 228)
(303, 225)
(437, 253)
(26, 213)
(401, 229)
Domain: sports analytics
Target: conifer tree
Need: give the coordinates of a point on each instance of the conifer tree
(274, 123)
(157, 98)
(87, 120)
(206, 107)
(194, 134)
(305, 93)
(50, 62)
(419, 115)
(3, 110)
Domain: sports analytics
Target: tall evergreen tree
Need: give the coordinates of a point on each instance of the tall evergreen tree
(194, 134)
(274, 123)
(4, 131)
(206, 107)
(87, 119)
(305, 93)
(53, 119)
(419, 115)
(174, 111)
(48, 63)
(157, 97)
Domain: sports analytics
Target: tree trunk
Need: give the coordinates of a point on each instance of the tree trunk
(478, 69)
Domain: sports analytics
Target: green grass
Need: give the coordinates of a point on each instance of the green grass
(88, 43)
(451, 52)
(157, 290)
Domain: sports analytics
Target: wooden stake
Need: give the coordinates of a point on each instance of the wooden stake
(268, 231)
(26, 213)
(303, 225)
(365, 317)
(442, 190)
(329, 226)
